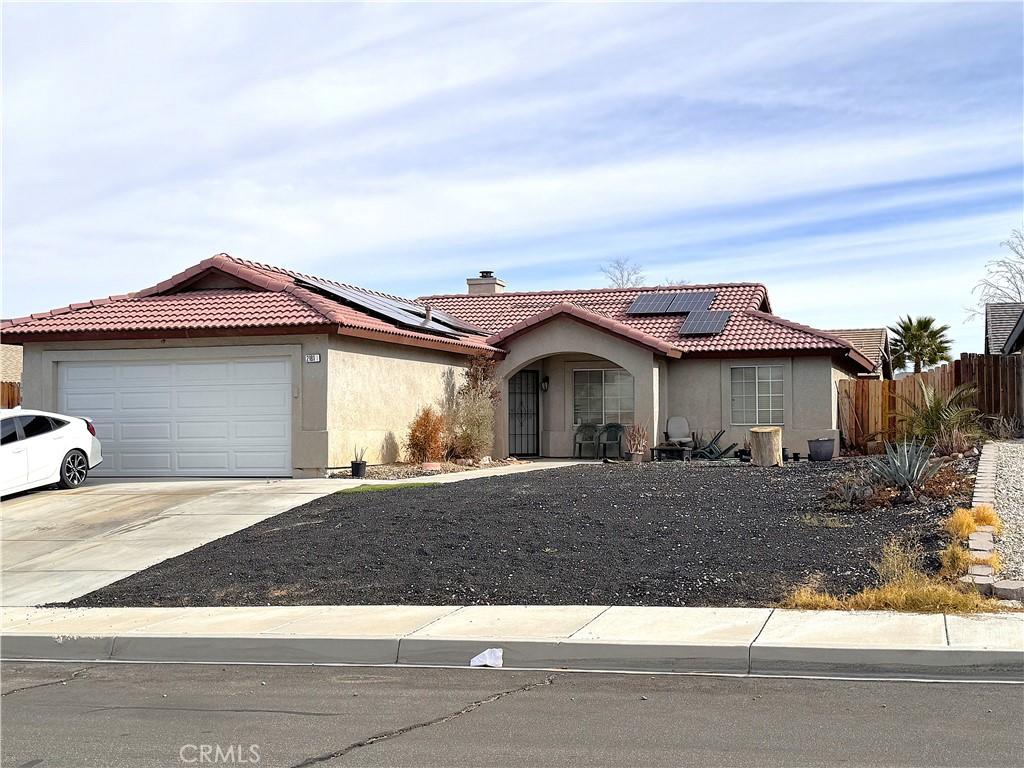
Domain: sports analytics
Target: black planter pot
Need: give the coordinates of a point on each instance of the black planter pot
(820, 449)
(358, 469)
(743, 454)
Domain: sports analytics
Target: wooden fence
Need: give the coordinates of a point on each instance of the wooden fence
(872, 411)
(10, 394)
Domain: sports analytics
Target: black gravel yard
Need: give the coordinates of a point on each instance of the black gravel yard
(623, 534)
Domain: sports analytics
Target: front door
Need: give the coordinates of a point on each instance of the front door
(524, 414)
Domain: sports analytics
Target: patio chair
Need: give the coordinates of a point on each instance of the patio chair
(586, 434)
(711, 451)
(611, 435)
(677, 432)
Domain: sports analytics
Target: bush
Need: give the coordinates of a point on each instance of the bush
(960, 524)
(955, 560)
(473, 427)
(425, 441)
(903, 588)
(936, 414)
(985, 514)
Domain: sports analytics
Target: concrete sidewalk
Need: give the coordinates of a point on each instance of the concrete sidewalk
(739, 641)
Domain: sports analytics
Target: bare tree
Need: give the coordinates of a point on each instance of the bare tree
(1004, 277)
(623, 273)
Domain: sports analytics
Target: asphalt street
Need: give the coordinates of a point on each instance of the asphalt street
(140, 715)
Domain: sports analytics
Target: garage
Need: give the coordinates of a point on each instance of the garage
(185, 417)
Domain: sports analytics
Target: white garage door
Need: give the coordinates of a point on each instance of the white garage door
(187, 417)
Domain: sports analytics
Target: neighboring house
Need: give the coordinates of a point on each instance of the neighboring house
(714, 354)
(1014, 341)
(1000, 320)
(10, 363)
(873, 343)
(238, 368)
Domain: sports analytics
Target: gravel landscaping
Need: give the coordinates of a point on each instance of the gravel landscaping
(625, 534)
(1010, 506)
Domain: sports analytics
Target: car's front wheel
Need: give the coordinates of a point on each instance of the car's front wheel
(74, 469)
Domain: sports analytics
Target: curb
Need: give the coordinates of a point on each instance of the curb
(925, 663)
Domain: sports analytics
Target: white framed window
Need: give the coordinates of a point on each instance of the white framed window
(757, 394)
(602, 396)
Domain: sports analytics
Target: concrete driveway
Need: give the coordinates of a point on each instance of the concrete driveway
(56, 545)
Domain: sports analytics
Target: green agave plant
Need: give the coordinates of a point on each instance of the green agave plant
(906, 466)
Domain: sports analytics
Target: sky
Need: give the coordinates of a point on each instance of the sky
(863, 161)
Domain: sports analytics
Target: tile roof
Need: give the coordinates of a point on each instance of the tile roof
(266, 298)
(871, 342)
(751, 328)
(999, 322)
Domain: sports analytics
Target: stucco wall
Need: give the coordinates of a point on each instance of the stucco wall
(562, 341)
(309, 380)
(700, 390)
(376, 390)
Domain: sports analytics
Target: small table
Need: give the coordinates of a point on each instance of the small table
(680, 452)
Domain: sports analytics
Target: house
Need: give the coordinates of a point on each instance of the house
(238, 368)
(1000, 320)
(873, 343)
(715, 354)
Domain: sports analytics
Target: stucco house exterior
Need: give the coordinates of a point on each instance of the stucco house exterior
(238, 368)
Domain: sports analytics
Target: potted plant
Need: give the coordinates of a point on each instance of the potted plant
(636, 442)
(358, 465)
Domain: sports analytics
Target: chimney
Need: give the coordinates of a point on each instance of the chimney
(486, 283)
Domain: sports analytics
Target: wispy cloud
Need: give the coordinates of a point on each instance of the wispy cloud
(814, 147)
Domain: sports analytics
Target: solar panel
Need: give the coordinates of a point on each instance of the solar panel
(704, 323)
(693, 301)
(404, 313)
(678, 303)
(651, 304)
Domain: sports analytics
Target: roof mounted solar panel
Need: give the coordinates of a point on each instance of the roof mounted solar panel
(403, 313)
(704, 323)
(651, 304)
(692, 301)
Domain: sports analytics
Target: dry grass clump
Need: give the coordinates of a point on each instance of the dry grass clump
(903, 587)
(955, 560)
(992, 558)
(960, 524)
(985, 514)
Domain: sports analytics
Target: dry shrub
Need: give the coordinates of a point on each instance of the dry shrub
(921, 595)
(903, 588)
(992, 558)
(425, 441)
(825, 521)
(955, 560)
(810, 599)
(985, 514)
(950, 440)
(473, 426)
(900, 560)
(960, 524)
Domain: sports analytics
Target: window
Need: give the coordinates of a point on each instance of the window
(33, 426)
(602, 396)
(8, 431)
(757, 394)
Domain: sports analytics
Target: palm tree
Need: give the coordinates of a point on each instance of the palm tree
(919, 341)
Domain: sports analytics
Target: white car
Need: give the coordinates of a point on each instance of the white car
(39, 448)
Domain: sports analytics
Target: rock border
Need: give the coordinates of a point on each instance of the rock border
(983, 577)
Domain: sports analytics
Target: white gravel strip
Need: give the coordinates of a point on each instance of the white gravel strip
(1010, 506)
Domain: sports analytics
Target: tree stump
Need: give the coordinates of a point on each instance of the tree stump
(766, 446)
